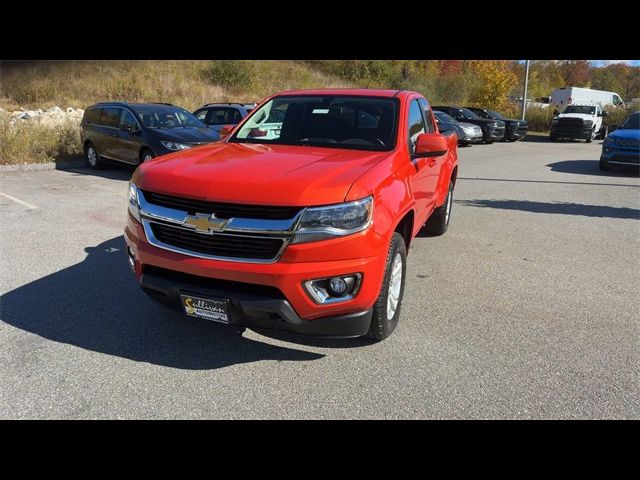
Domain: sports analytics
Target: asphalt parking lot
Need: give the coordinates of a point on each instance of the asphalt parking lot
(527, 308)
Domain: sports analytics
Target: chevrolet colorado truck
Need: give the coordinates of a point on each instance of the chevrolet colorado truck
(301, 225)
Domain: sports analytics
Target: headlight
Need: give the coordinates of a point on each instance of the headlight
(175, 146)
(588, 123)
(554, 121)
(468, 130)
(322, 223)
(134, 206)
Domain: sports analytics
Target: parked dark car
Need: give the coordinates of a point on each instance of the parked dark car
(514, 129)
(492, 130)
(467, 132)
(136, 132)
(218, 115)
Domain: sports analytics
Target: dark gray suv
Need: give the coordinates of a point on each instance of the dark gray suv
(136, 132)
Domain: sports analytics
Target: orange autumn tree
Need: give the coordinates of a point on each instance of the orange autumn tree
(493, 80)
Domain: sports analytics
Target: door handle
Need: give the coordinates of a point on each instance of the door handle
(431, 162)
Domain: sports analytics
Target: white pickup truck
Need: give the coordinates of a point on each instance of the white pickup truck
(578, 121)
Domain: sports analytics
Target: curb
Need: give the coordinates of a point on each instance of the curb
(33, 167)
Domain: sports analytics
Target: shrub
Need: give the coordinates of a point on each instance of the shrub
(34, 143)
(539, 119)
(616, 115)
(232, 74)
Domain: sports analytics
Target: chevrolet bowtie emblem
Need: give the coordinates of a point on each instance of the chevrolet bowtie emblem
(204, 223)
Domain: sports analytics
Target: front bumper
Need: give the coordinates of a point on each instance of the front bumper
(516, 133)
(560, 131)
(620, 156)
(495, 133)
(251, 307)
(471, 138)
(363, 253)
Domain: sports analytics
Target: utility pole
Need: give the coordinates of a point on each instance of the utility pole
(524, 93)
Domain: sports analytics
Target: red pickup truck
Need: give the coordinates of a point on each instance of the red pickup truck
(300, 218)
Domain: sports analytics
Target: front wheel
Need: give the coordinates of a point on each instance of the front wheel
(92, 157)
(438, 222)
(146, 155)
(386, 310)
(604, 166)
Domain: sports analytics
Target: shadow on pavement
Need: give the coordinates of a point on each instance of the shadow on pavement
(536, 139)
(562, 208)
(111, 170)
(591, 167)
(97, 305)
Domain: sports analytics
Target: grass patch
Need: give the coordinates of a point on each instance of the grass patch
(33, 143)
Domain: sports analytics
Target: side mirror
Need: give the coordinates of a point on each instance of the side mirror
(431, 145)
(127, 128)
(604, 114)
(226, 131)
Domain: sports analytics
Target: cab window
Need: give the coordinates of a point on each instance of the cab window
(427, 115)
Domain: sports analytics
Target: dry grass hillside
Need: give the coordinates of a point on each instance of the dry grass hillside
(189, 84)
(77, 84)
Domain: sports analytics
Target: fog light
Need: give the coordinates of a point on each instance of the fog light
(337, 286)
(333, 289)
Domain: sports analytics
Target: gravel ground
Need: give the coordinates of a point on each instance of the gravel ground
(527, 308)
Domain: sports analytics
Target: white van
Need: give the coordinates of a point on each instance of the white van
(562, 97)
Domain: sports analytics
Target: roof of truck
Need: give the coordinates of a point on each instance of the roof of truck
(369, 92)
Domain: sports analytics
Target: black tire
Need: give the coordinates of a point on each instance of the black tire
(489, 141)
(381, 325)
(552, 138)
(92, 157)
(145, 154)
(604, 166)
(589, 138)
(438, 222)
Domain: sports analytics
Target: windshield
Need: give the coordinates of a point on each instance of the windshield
(336, 121)
(584, 109)
(632, 122)
(167, 117)
(444, 117)
(495, 115)
(468, 114)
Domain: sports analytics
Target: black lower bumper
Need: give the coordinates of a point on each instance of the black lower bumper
(256, 310)
(576, 133)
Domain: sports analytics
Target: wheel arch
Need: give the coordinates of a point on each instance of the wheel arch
(405, 227)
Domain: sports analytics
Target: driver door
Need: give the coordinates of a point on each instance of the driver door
(424, 180)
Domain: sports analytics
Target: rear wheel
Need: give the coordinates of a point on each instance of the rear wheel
(92, 157)
(604, 165)
(552, 137)
(386, 310)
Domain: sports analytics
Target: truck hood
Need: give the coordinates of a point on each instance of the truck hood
(186, 135)
(583, 116)
(258, 174)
